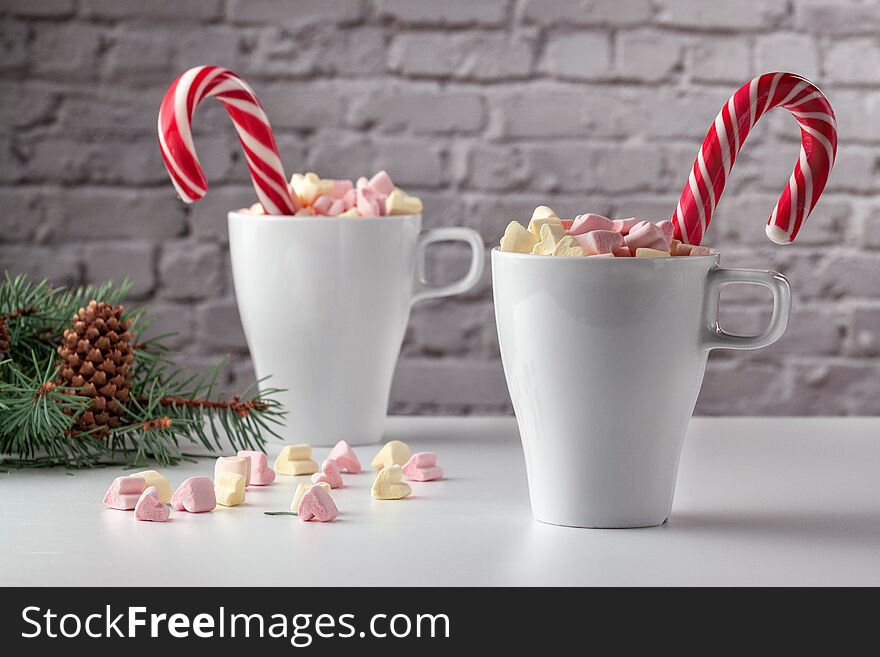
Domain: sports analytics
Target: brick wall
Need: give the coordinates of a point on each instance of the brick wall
(483, 107)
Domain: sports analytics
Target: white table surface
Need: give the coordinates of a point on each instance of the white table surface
(758, 502)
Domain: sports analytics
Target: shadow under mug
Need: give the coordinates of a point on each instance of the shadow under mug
(604, 359)
(324, 303)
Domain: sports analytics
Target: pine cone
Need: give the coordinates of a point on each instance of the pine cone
(4, 338)
(96, 354)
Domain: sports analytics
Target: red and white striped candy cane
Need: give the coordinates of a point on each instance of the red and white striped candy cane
(725, 138)
(251, 123)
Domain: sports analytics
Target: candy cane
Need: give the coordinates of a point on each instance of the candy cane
(725, 138)
(251, 123)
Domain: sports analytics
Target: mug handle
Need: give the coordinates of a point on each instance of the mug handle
(424, 290)
(715, 337)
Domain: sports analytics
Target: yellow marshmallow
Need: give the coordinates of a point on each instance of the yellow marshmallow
(389, 484)
(399, 202)
(568, 246)
(536, 224)
(551, 234)
(543, 212)
(394, 452)
(310, 186)
(517, 239)
(229, 488)
(295, 460)
(153, 478)
(651, 253)
(301, 490)
(351, 212)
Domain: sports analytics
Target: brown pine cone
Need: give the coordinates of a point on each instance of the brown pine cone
(97, 356)
(4, 339)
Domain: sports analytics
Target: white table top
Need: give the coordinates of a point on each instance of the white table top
(759, 502)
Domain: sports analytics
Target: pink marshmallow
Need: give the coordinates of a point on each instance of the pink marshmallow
(195, 495)
(367, 204)
(345, 457)
(260, 472)
(149, 507)
(668, 229)
(585, 223)
(700, 250)
(599, 241)
(362, 183)
(381, 183)
(350, 199)
(623, 226)
(422, 466)
(124, 493)
(646, 235)
(321, 205)
(336, 208)
(329, 474)
(341, 188)
(623, 252)
(317, 504)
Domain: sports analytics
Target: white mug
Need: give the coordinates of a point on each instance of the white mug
(324, 303)
(604, 358)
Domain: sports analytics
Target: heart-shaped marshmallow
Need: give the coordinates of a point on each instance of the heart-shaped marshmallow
(295, 460)
(517, 239)
(399, 202)
(238, 464)
(389, 484)
(599, 241)
(124, 492)
(195, 495)
(345, 457)
(329, 473)
(422, 466)
(153, 478)
(623, 226)
(567, 246)
(260, 474)
(150, 508)
(646, 235)
(394, 452)
(586, 222)
(301, 490)
(229, 488)
(318, 505)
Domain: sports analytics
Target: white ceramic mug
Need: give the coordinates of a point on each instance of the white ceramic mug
(324, 302)
(604, 358)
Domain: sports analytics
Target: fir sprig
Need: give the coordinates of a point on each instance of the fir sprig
(165, 407)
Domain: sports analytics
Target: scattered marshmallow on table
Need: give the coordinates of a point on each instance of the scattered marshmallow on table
(329, 474)
(229, 488)
(301, 490)
(394, 452)
(296, 460)
(237, 464)
(153, 478)
(149, 507)
(389, 484)
(195, 495)
(316, 504)
(259, 473)
(345, 457)
(422, 466)
(124, 493)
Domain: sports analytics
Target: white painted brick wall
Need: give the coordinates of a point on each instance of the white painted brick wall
(485, 108)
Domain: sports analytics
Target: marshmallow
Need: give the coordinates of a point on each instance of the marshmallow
(153, 478)
(259, 474)
(599, 241)
(124, 493)
(149, 507)
(399, 202)
(623, 226)
(310, 186)
(295, 460)
(550, 236)
(537, 223)
(345, 457)
(317, 504)
(699, 250)
(301, 490)
(517, 239)
(195, 495)
(584, 223)
(651, 253)
(544, 212)
(623, 252)
(388, 484)
(229, 488)
(646, 235)
(256, 208)
(238, 464)
(668, 229)
(367, 203)
(381, 183)
(351, 212)
(394, 452)
(568, 247)
(329, 473)
(422, 466)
